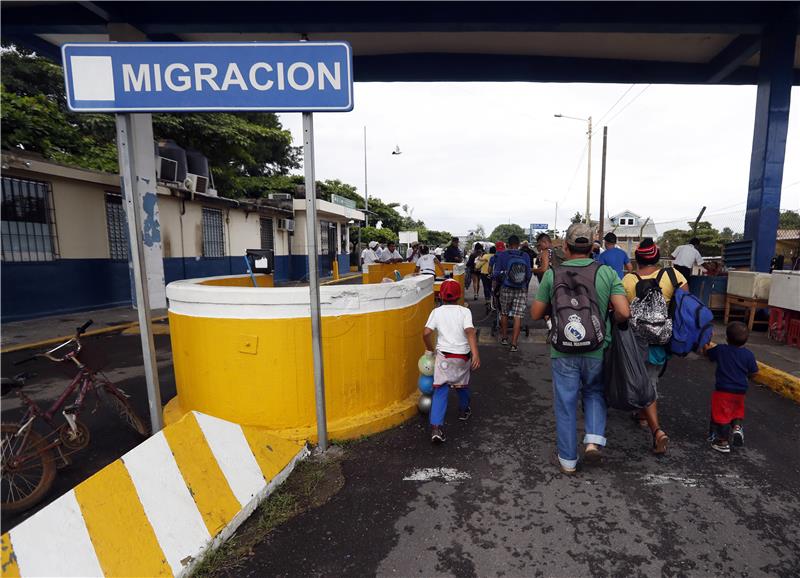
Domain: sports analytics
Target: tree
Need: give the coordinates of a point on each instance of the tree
(436, 238)
(577, 218)
(728, 236)
(369, 234)
(789, 220)
(711, 240)
(503, 232)
(246, 151)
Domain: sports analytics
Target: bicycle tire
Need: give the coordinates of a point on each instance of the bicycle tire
(44, 460)
(117, 400)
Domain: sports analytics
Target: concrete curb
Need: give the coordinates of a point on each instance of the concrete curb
(54, 340)
(159, 509)
(779, 381)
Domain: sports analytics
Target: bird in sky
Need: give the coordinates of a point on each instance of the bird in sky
(396, 150)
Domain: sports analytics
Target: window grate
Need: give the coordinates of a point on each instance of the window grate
(28, 227)
(267, 235)
(213, 235)
(117, 227)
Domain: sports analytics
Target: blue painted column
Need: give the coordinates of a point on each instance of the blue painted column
(769, 140)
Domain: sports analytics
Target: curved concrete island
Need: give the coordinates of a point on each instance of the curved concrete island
(243, 353)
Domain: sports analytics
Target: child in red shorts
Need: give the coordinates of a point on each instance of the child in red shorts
(735, 365)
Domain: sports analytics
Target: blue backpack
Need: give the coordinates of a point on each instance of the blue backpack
(518, 271)
(691, 323)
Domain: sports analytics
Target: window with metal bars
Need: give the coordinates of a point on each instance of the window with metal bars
(213, 233)
(117, 227)
(267, 234)
(28, 226)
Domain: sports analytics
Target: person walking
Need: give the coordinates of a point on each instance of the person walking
(456, 355)
(665, 282)
(615, 257)
(512, 271)
(545, 257)
(577, 295)
(482, 265)
(473, 275)
(687, 256)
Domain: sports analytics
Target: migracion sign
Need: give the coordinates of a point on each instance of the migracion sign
(188, 76)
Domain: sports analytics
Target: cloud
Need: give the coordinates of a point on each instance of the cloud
(493, 152)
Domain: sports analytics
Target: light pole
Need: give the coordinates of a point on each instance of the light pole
(555, 215)
(366, 189)
(589, 164)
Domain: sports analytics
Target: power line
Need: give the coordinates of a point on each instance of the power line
(630, 102)
(615, 104)
(575, 174)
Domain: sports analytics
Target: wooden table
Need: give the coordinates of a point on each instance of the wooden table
(749, 305)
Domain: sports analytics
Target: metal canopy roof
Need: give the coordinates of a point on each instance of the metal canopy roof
(658, 42)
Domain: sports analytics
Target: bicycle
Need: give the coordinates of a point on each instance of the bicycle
(29, 459)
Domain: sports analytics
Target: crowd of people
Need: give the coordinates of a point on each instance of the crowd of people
(581, 293)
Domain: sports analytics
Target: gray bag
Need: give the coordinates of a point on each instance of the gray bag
(577, 323)
(650, 317)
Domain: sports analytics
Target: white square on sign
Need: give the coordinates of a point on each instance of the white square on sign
(92, 77)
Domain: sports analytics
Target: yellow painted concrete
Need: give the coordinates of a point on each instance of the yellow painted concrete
(202, 474)
(370, 362)
(783, 383)
(378, 271)
(8, 560)
(111, 509)
(271, 452)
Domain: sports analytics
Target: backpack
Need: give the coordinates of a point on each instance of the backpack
(691, 323)
(517, 270)
(650, 316)
(577, 322)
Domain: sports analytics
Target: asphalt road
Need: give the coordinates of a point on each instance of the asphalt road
(120, 357)
(693, 512)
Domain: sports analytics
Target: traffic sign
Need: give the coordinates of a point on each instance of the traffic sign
(194, 76)
(539, 226)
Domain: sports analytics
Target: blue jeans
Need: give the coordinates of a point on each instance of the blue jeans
(575, 377)
(439, 405)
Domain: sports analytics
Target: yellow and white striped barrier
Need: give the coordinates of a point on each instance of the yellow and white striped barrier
(159, 508)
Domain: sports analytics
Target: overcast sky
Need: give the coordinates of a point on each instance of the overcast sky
(492, 152)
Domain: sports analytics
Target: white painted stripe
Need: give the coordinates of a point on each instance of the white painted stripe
(169, 506)
(55, 542)
(444, 474)
(235, 459)
(190, 298)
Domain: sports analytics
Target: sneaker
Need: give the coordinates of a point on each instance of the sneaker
(437, 435)
(592, 456)
(465, 415)
(721, 446)
(504, 341)
(738, 436)
(514, 348)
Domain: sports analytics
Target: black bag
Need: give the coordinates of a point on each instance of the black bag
(578, 324)
(628, 386)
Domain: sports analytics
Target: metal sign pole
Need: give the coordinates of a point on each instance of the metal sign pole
(313, 277)
(138, 179)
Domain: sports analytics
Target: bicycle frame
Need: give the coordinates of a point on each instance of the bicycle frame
(82, 382)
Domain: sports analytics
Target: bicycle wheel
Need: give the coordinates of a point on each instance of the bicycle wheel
(120, 403)
(24, 484)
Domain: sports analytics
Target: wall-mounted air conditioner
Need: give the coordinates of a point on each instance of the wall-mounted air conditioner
(166, 169)
(196, 183)
(279, 197)
(286, 225)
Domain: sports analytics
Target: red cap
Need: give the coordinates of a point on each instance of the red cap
(450, 290)
(500, 246)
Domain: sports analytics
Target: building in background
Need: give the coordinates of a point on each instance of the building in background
(630, 228)
(65, 237)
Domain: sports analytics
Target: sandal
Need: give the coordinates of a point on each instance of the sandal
(660, 442)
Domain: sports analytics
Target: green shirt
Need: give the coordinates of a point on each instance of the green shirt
(608, 284)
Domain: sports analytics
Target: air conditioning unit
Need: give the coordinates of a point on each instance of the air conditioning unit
(196, 183)
(286, 225)
(212, 192)
(279, 197)
(166, 169)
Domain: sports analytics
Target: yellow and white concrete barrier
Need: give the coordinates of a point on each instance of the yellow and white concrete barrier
(159, 508)
(244, 354)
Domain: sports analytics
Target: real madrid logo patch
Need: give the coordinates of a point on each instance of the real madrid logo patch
(574, 330)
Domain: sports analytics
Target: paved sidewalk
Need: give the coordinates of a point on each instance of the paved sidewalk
(489, 502)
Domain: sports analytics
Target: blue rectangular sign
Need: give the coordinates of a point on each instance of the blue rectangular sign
(194, 76)
(539, 226)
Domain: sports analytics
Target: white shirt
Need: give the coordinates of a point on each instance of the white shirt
(387, 255)
(412, 255)
(451, 323)
(687, 256)
(427, 264)
(369, 256)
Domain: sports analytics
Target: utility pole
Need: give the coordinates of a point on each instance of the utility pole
(589, 176)
(601, 220)
(366, 190)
